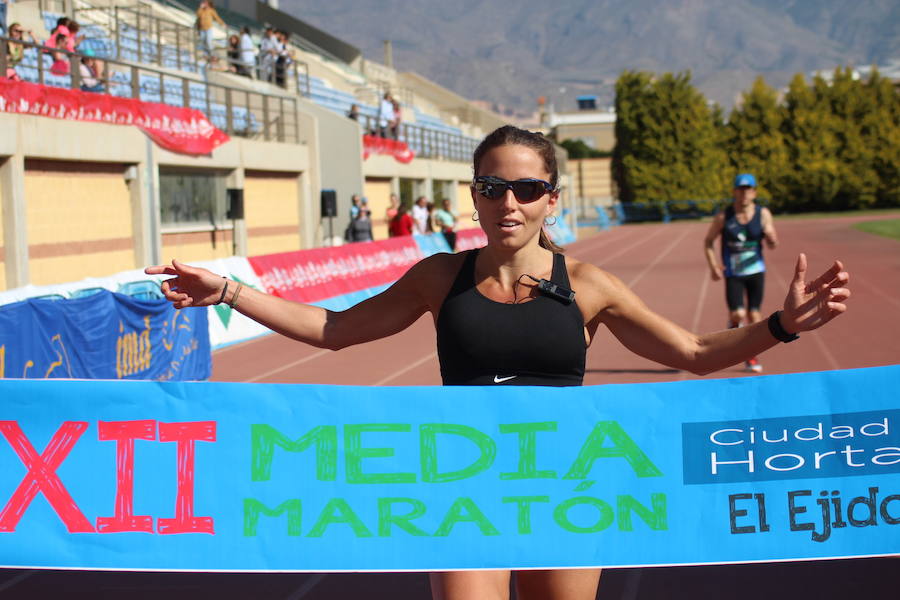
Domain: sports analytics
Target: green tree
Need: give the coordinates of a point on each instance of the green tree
(578, 149)
(755, 143)
(668, 146)
(881, 131)
(812, 177)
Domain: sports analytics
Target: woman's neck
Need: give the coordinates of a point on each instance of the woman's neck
(506, 266)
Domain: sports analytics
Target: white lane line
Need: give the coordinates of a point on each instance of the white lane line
(307, 586)
(640, 241)
(288, 366)
(878, 291)
(659, 257)
(406, 369)
(698, 310)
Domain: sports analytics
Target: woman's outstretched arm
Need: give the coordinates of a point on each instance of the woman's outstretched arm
(380, 316)
(808, 305)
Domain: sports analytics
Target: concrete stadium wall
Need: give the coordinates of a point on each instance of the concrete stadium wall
(602, 134)
(465, 207)
(272, 212)
(340, 163)
(591, 177)
(378, 193)
(78, 215)
(82, 199)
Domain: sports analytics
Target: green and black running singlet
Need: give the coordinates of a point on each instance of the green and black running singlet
(483, 342)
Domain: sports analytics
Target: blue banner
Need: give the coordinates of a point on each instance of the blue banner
(258, 477)
(103, 336)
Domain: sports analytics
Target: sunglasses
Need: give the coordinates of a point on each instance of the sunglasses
(525, 190)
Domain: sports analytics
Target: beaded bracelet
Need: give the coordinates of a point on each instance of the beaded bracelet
(237, 292)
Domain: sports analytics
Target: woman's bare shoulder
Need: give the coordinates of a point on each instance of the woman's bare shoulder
(433, 276)
(582, 273)
(595, 289)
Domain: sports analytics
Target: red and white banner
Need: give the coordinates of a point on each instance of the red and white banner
(183, 130)
(320, 273)
(378, 145)
(467, 239)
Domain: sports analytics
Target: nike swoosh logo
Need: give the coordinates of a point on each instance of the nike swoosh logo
(498, 379)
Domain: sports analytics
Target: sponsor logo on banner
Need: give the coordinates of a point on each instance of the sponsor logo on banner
(320, 273)
(469, 239)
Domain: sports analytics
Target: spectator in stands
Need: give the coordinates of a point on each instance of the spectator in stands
(391, 212)
(66, 29)
(360, 228)
(395, 124)
(74, 40)
(206, 14)
(62, 28)
(60, 64)
(284, 59)
(234, 54)
(445, 220)
(248, 52)
(16, 52)
(420, 215)
(268, 53)
(91, 71)
(385, 115)
(353, 113)
(401, 224)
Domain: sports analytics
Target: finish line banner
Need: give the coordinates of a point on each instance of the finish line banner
(262, 477)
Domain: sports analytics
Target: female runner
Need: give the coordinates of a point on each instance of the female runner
(496, 326)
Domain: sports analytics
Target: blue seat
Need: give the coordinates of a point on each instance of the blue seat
(142, 290)
(84, 292)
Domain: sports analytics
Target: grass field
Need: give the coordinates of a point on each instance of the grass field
(888, 228)
(875, 212)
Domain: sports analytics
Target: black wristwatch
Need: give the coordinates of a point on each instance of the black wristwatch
(778, 331)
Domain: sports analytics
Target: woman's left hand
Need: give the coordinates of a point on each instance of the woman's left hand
(810, 305)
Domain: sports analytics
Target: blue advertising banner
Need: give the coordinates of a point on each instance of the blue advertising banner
(103, 336)
(261, 477)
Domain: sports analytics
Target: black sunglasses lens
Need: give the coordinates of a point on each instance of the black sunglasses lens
(527, 191)
(524, 191)
(490, 189)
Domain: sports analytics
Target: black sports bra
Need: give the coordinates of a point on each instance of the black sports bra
(483, 342)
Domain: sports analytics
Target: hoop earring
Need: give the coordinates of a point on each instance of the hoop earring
(475, 216)
(551, 223)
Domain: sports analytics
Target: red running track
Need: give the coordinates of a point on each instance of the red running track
(665, 266)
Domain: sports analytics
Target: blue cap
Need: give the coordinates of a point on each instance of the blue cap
(745, 180)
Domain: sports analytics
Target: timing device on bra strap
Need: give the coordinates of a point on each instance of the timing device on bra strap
(548, 288)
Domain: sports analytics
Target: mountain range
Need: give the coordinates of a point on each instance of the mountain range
(510, 53)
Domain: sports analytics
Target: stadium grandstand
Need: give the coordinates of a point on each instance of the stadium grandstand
(83, 197)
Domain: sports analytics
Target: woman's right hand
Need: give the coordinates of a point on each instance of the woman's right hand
(191, 286)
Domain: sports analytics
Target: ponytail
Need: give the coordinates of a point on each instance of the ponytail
(545, 242)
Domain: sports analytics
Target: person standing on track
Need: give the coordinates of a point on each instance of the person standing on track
(505, 315)
(743, 227)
